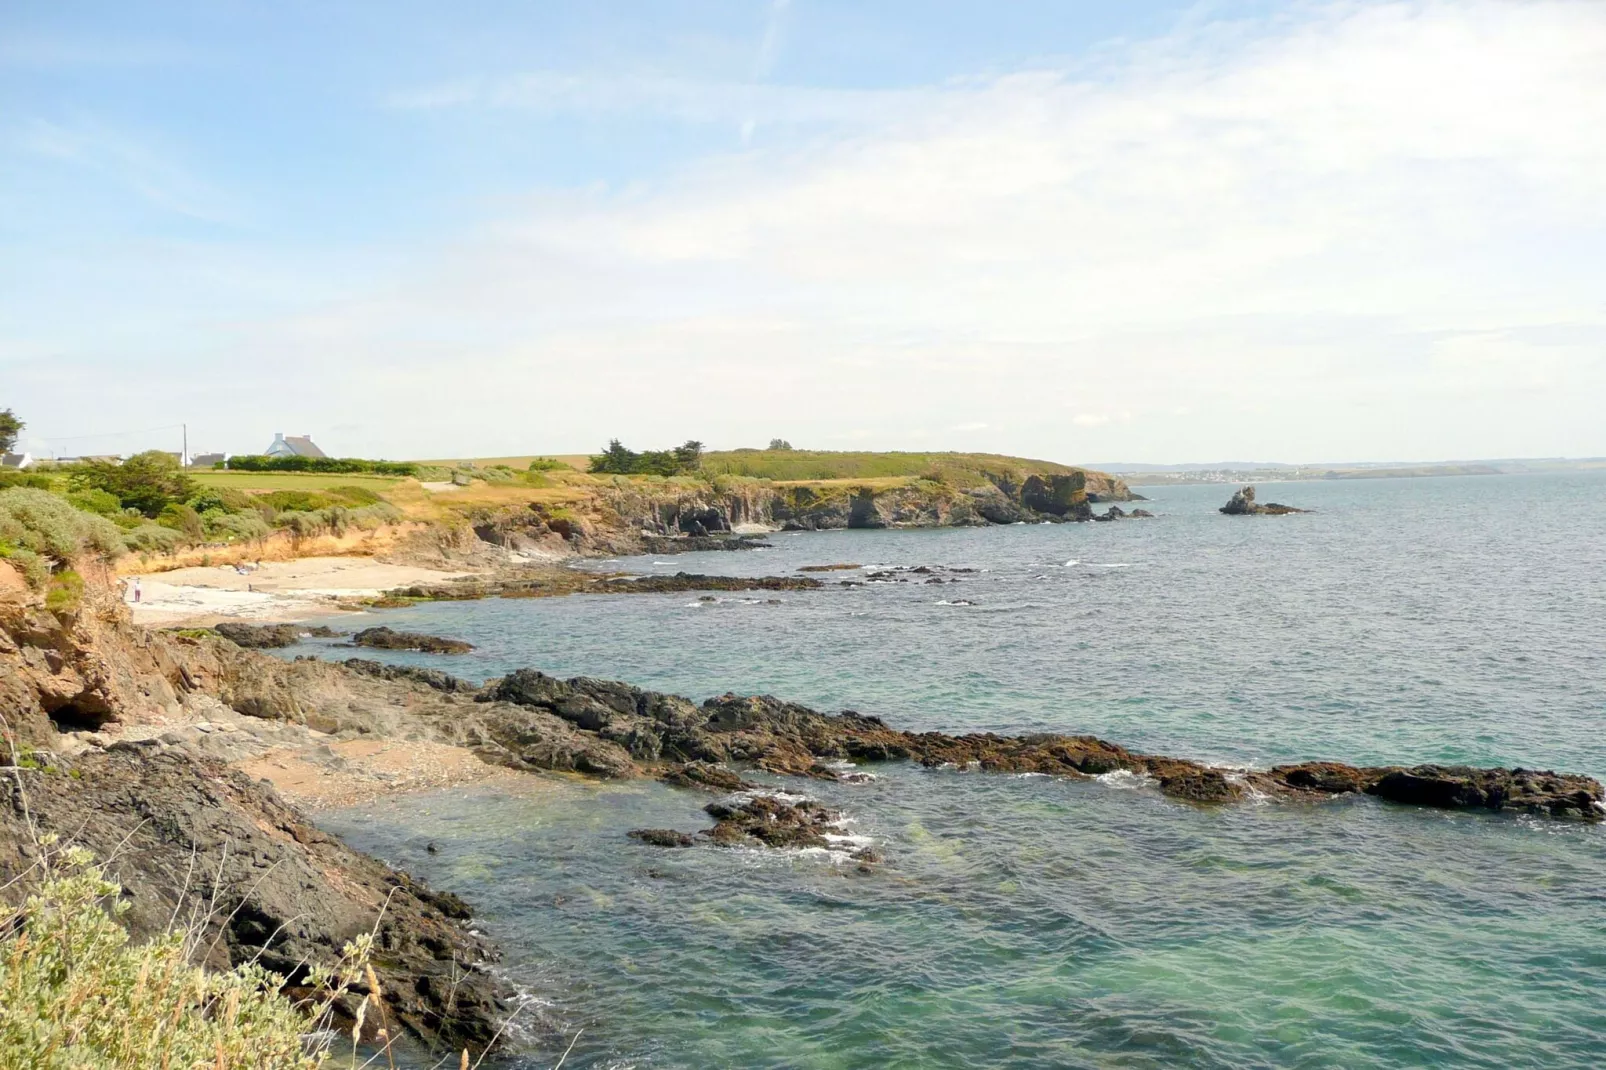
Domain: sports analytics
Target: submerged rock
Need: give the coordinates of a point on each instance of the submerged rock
(383, 638)
(1242, 503)
(662, 837)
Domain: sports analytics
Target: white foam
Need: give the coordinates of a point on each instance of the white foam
(1124, 779)
(957, 602)
(1072, 561)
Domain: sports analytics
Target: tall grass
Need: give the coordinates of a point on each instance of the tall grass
(76, 994)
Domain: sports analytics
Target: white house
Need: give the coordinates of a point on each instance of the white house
(293, 446)
(15, 460)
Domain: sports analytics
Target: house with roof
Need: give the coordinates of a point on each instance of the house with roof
(208, 460)
(15, 460)
(293, 446)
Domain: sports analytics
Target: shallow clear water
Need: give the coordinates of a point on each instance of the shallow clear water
(1037, 922)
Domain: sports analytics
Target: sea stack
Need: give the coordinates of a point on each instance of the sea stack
(1242, 503)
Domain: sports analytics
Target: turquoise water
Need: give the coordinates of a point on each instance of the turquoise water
(1033, 922)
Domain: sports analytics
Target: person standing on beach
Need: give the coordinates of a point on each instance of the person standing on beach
(136, 589)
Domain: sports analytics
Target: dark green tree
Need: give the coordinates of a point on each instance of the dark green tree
(148, 481)
(780, 444)
(10, 428)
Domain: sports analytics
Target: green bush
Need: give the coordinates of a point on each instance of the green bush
(148, 481)
(234, 527)
(153, 539)
(258, 463)
(547, 464)
(354, 496)
(39, 521)
(183, 519)
(66, 592)
(372, 516)
(228, 499)
(13, 478)
(77, 995)
(300, 523)
(295, 501)
(96, 501)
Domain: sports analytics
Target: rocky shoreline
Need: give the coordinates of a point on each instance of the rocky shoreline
(79, 688)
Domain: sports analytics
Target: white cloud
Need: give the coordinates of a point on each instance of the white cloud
(1361, 230)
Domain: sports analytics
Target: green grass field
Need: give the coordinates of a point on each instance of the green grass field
(291, 480)
(810, 465)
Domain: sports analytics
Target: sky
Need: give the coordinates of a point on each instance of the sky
(1137, 230)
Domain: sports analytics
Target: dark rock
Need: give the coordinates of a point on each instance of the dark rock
(1140, 514)
(772, 822)
(432, 678)
(383, 638)
(277, 890)
(662, 837)
(707, 776)
(262, 636)
(1242, 503)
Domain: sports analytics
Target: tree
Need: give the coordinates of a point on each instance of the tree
(148, 481)
(10, 428)
(780, 444)
(689, 455)
(617, 460)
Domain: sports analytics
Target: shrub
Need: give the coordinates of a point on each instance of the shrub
(354, 495)
(36, 520)
(36, 480)
(100, 502)
(233, 527)
(228, 499)
(66, 592)
(299, 523)
(546, 464)
(295, 501)
(372, 516)
(78, 995)
(34, 569)
(184, 519)
(153, 539)
(258, 463)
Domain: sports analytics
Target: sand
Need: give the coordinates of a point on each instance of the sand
(361, 770)
(275, 591)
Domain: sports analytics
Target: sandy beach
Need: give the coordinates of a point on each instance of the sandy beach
(273, 591)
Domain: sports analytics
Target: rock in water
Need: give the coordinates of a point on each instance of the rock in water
(385, 639)
(1242, 503)
(261, 636)
(662, 837)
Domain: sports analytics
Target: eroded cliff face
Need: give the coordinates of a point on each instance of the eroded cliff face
(80, 668)
(627, 517)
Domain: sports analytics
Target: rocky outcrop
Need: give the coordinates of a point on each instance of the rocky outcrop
(1242, 503)
(268, 636)
(383, 638)
(786, 738)
(675, 516)
(191, 838)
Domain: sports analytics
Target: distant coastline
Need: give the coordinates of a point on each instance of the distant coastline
(1151, 475)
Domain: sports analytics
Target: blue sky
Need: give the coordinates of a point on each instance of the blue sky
(1146, 231)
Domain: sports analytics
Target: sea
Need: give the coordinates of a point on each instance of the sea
(1035, 921)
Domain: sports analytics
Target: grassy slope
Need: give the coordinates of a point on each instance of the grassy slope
(827, 470)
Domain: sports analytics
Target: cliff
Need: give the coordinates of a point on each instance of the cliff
(624, 515)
